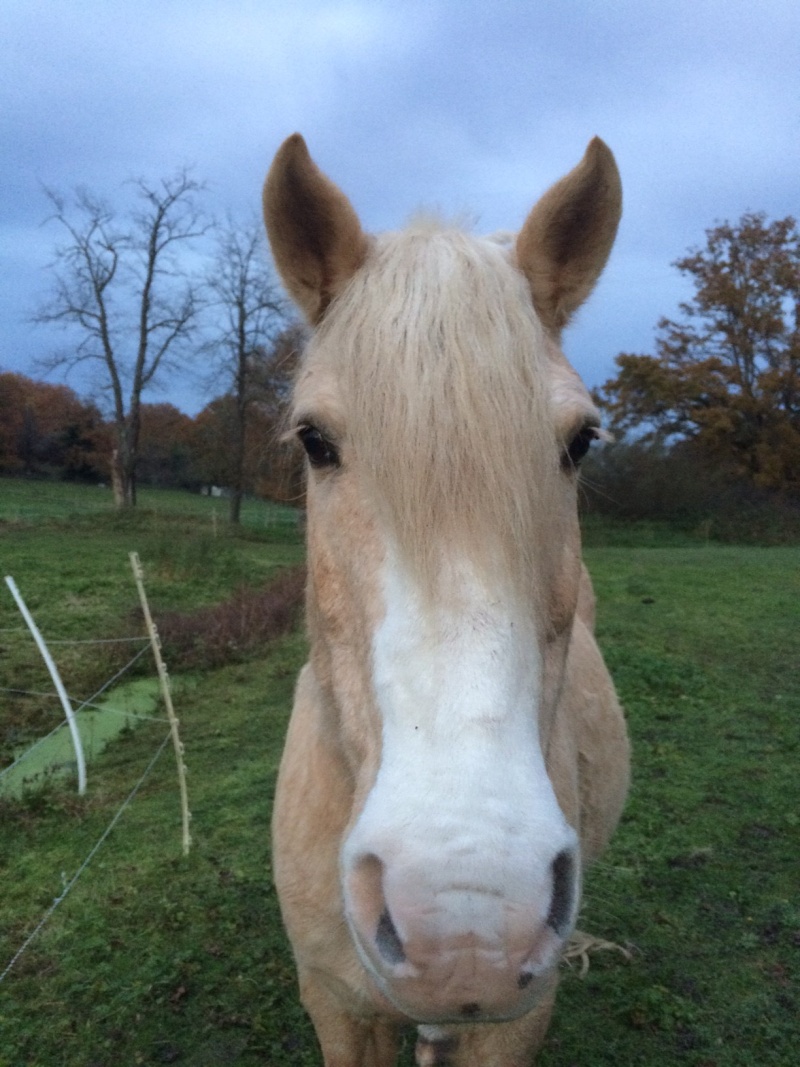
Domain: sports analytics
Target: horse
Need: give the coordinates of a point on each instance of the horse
(456, 753)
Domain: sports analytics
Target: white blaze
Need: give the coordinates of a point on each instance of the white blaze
(462, 809)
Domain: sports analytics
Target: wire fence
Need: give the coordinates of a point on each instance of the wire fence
(149, 642)
(68, 885)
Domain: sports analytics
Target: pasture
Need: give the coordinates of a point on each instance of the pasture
(153, 958)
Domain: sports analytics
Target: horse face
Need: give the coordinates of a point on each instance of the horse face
(443, 578)
(460, 872)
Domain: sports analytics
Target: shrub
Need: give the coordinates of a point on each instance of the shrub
(642, 481)
(235, 630)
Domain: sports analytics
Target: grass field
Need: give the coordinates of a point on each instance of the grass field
(28, 502)
(153, 958)
(69, 559)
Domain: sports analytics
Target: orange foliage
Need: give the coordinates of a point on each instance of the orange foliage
(271, 469)
(727, 376)
(165, 446)
(46, 428)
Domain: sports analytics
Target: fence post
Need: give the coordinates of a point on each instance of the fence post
(62, 693)
(163, 678)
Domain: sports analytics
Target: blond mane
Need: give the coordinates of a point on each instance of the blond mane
(441, 363)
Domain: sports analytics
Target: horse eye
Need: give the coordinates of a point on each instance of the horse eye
(578, 447)
(320, 452)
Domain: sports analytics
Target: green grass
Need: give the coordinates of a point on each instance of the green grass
(24, 501)
(153, 958)
(603, 532)
(702, 877)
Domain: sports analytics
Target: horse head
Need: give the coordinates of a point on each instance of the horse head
(443, 428)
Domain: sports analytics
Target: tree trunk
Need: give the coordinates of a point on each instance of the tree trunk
(123, 482)
(123, 464)
(236, 506)
(237, 489)
(117, 481)
(239, 431)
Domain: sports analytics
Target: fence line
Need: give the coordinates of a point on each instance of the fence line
(98, 640)
(84, 705)
(68, 886)
(28, 693)
(150, 642)
(79, 640)
(123, 711)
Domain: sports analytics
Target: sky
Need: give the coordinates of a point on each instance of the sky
(468, 108)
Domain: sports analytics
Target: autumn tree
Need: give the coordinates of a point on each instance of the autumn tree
(281, 468)
(123, 288)
(48, 429)
(250, 313)
(726, 376)
(211, 435)
(165, 447)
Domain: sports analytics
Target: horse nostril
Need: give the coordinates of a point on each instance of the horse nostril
(559, 917)
(388, 941)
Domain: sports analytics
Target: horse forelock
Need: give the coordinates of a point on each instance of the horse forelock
(443, 378)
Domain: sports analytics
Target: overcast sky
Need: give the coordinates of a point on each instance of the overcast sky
(457, 105)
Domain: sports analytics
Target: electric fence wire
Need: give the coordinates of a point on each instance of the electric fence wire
(98, 640)
(68, 885)
(113, 679)
(84, 706)
(32, 748)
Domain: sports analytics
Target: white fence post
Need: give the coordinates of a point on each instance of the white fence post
(62, 693)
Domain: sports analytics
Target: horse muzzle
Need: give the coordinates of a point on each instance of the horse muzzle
(446, 950)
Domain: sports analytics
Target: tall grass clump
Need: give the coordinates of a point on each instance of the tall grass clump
(235, 629)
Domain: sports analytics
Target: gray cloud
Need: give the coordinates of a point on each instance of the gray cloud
(460, 106)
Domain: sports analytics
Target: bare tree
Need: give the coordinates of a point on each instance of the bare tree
(252, 314)
(123, 287)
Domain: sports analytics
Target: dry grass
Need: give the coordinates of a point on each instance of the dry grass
(582, 945)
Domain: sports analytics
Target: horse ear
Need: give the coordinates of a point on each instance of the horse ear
(316, 238)
(566, 239)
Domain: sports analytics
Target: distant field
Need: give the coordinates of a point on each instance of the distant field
(155, 959)
(24, 501)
